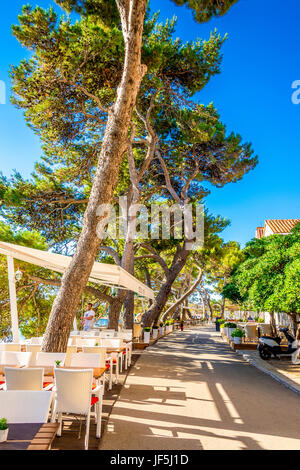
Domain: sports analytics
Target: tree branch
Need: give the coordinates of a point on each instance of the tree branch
(184, 296)
(110, 251)
(57, 283)
(167, 178)
(155, 255)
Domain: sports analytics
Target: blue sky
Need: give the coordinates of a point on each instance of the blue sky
(253, 95)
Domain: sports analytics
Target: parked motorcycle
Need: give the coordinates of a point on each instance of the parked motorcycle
(270, 346)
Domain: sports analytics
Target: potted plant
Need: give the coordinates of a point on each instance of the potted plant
(167, 325)
(224, 329)
(3, 430)
(58, 363)
(230, 328)
(147, 332)
(237, 336)
(161, 329)
(154, 331)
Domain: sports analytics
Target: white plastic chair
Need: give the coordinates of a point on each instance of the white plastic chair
(13, 358)
(89, 360)
(127, 335)
(116, 357)
(10, 347)
(23, 379)
(265, 329)
(74, 394)
(251, 332)
(83, 359)
(80, 342)
(36, 340)
(93, 333)
(30, 378)
(72, 340)
(107, 334)
(95, 357)
(34, 349)
(70, 350)
(24, 406)
(48, 360)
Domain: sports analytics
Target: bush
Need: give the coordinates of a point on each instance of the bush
(155, 327)
(260, 320)
(3, 424)
(161, 325)
(229, 325)
(147, 328)
(238, 333)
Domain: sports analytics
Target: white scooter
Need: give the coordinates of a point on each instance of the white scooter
(269, 346)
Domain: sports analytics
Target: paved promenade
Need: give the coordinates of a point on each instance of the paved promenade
(190, 391)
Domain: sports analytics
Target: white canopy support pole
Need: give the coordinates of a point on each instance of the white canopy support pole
(13, 300)
(75, 324)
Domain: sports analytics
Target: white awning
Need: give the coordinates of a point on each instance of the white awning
(102, 273)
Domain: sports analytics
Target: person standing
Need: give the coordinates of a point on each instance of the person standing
(88, 318)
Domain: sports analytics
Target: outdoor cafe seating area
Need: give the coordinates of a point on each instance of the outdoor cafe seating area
(252, 332)
(55, 384)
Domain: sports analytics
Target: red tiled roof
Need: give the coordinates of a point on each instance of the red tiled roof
(259, 232)
(282, 225)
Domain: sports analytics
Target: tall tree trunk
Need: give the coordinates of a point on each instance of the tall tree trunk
(114, 146)
(154, 312)
(114, 312)
(273, 324)
(129, 301)
(129, 311)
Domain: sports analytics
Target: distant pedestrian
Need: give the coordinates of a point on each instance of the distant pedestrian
(181, 325)
(88, 318)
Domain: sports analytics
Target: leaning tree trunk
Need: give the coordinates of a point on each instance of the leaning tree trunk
(114, 146)
(223, 307)
(211, 313)
(154, 312)
(184, 297)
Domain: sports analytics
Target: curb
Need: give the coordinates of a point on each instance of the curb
(281, 378)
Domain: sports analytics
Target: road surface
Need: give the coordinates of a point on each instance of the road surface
(190, 391)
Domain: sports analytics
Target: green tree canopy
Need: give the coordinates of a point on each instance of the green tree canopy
(268, 279)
